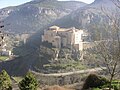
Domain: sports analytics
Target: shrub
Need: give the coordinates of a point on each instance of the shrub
(116, 85)
(28, 83)
(94, 81)
(5, 81)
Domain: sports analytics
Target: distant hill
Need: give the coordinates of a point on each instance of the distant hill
(90, 16)
(37, 14)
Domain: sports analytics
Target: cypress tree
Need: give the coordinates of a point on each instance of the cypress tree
(5, 81)
(28, 83)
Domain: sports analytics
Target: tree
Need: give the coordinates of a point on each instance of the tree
(5, 81)
(29, 82)
(117, 3)
(94, 81)
(108, 50)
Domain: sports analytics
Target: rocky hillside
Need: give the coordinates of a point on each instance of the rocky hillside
(93, 12)
(37, 14)
(90, 16)
(4, 13)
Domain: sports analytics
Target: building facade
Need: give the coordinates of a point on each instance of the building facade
(62, 37)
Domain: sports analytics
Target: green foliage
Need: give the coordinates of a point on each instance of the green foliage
(5, 81)
(29, 82)
(116, 85)
(94, 81)
(65, 65)
(3, 58)
(96, 89)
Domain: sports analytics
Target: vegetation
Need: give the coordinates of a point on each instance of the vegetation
(96, 89)
(29, 82)
(53, 60)
(5, 81)
(94, 81)
(107, 49)
(65, 65)
(3, 58)
(116, 85)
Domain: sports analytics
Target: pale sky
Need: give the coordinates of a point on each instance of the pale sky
(86, 1)
(6, 3)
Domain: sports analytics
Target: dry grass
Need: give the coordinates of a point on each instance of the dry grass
(56, 88)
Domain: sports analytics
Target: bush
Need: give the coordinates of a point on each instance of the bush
(5, 81)
(116, 85)
(28, 83)
(94, 81)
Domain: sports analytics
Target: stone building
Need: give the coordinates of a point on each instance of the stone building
(62, 37)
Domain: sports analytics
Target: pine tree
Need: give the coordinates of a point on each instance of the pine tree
(5, 81)
(28, 83)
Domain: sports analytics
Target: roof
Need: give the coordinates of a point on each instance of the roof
(54, 28)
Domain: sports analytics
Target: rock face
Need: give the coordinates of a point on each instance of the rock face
(37, 14)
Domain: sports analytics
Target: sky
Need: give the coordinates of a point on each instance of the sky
(6, 3)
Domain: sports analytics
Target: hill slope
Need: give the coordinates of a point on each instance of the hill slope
(34, 15)
(90, 16)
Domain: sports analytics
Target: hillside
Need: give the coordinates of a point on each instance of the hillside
(37, 14)
(92, 17)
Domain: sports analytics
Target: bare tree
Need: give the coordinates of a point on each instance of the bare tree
(116, 2)
(108, 50)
